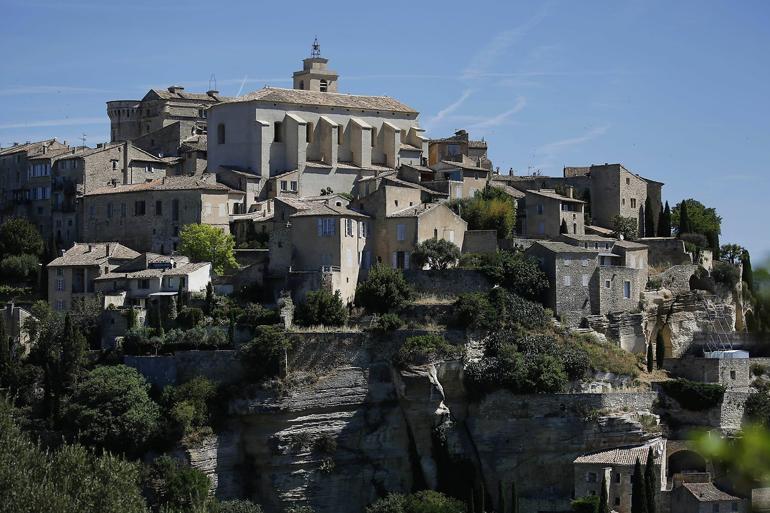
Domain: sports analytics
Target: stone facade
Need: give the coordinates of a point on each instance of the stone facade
(546, 212)
(666, 251)
(480, 241)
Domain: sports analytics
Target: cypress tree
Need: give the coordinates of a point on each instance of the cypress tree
(748, 276)
(73, 352)
(638, 490)
(604, 506)
(649, 482)
(482, 499)
(660, 350)
(684, 219)
(209, 298)
(664, 223)
(5, 352)
(649, 218)
(500, 498)
(563, 228)
(514, 498)
(650, 360)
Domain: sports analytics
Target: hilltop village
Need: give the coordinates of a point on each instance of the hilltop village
(298, 300)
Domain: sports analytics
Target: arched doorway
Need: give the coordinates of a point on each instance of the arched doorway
(685, 462)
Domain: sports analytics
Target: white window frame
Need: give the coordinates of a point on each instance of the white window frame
(585, 279)
(627, 287)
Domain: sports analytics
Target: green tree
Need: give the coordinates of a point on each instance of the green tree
(189, 405)
(518, 273)
(664, 222)
(660, 350)
(209, 302)
(20, 237)
(436, 254)
(649, 218)
(73, 353)
(384, 290)
(650, 358)
(5, 353)
(627, 227)
(110, 408)
(206, 243)
(178, 487)
(19, 268)
(731, 253)
(638, 490)
(681, 219)
(748, 275)
(489, 209)
(650, 483)
(264, 356)
(604, 506)
(691, 216)
(321, 307)
(235, 506)
(68, 479)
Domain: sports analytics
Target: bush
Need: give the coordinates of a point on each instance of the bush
(384, 290)
(436, 254)
(606, 357)
(389, 322)
(654, 283)
(189, 405)
(178, 487)
(254, 314)
(518, 273)
(626, 227)
(263, 356)
(588, 504)
(726, 274)
(757, 407)
(110, 408)
(189, 317)
(424, 349)
(694, 241)
(474, 310)
(19, 268)
(426, 501)
(489, 209)
(236, 506)
(692, 395)
(20, 237)
(498, 309)
(321, 307)
(757, 369)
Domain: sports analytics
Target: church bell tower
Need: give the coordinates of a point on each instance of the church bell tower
(315, 76)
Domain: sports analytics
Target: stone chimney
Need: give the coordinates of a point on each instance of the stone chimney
(175, 89)
(213, 93)
(570, 192)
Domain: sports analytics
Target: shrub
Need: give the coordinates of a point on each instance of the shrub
(694, 241)
(605, 357)
(175, 486)
(758, 369)
(384, 290)
(436, 254)
(254, 314)
(692, 395)
(111, 408)
(757, 406)
(424, 349)
(189, 405)
(18, 268)
(488, 209)
(474, 310)
(321, 307)
(627, 227)
(20, 237)
(726, 274)
(588, 504)
(236, 506)
(426, 501)
(262, 357)
(389, 322)
(518, 273)
(654, 283)
(189, 317)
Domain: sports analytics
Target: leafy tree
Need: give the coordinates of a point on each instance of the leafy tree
(660, 350)
(649, 218)
(189, 405)
(726, 274)
(19, 268)
(423, 349)
(489, 209)
(664, 222)
(588, 504)
(110, 408)
(178, 487)
(638, 490)
(603, 506)
(650, 483)
(625, 227)
(518, 273)
(71, 478)
(650, 358)
(426, 501)
(189, 317)
(321, 307)
(206, 243)
(731, 253)
(384, 290)
(254, 314)
(73, 353)
(20, 237)
(691, 216)
(436, 254)
(209, 298)
(264, 355)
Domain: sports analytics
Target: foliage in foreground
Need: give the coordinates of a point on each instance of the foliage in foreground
(384, 290)
(426, 501)
(322, 307)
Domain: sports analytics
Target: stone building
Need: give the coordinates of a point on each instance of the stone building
(616, 467)
(458, 148)
(14, 318)
(71, 276)
(321, 138)
(149, 215)
(704, 498)
(546, 213)
(25, 181)
(470, 178)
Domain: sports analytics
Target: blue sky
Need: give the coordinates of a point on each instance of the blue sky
(676, 91)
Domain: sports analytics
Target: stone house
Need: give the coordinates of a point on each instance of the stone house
(71, 276)
(328, 139)
(470, 176)
(14, 318)
(546, 211)
(457, 146)
(616, 466)
(704, 498)
(152, 276)
(149, 215)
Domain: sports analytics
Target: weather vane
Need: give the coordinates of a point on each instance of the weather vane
(316, 50)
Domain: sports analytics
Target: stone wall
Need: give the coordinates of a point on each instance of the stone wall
(733, 373)
(480, 241)
(666, 251)
(449, 282)
(220, 366)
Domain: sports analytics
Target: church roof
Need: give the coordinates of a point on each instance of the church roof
(303, 97)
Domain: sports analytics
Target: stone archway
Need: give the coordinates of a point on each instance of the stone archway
(685, 461)
(665, 334)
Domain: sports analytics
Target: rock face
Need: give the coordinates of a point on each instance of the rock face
(359, 428)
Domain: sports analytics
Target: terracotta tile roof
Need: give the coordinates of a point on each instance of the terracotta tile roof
(627, 455)
(31, 148)
(203, 182)
(93, 253)
(302, 97)
(707, 492)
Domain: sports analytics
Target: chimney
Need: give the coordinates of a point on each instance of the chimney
(213, 93)
(89, 248)
(175, 89)
(107, 249)
(570, 192)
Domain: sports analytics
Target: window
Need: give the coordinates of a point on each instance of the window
(293, 185)
(623, 202)
(617, 477)
(277, 126)
(374, 136)
(627, 289)
(326, 227)
(435, 233)
(221, 133)
(60, 304)
(122, 210)
(633, 202)
(349, 231)
(584, 280)
(109, 210)
(144, 284)
(540, 209)
(175, 209)
(567, 280)
(114, 165)
(309, 132)
(284, 185)
(324, 85)
(60, 284)
(139, 208)
(400, 232)
(158, 208)
(628, 181)
(732, 374)
(59, 271)
(607, 284)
